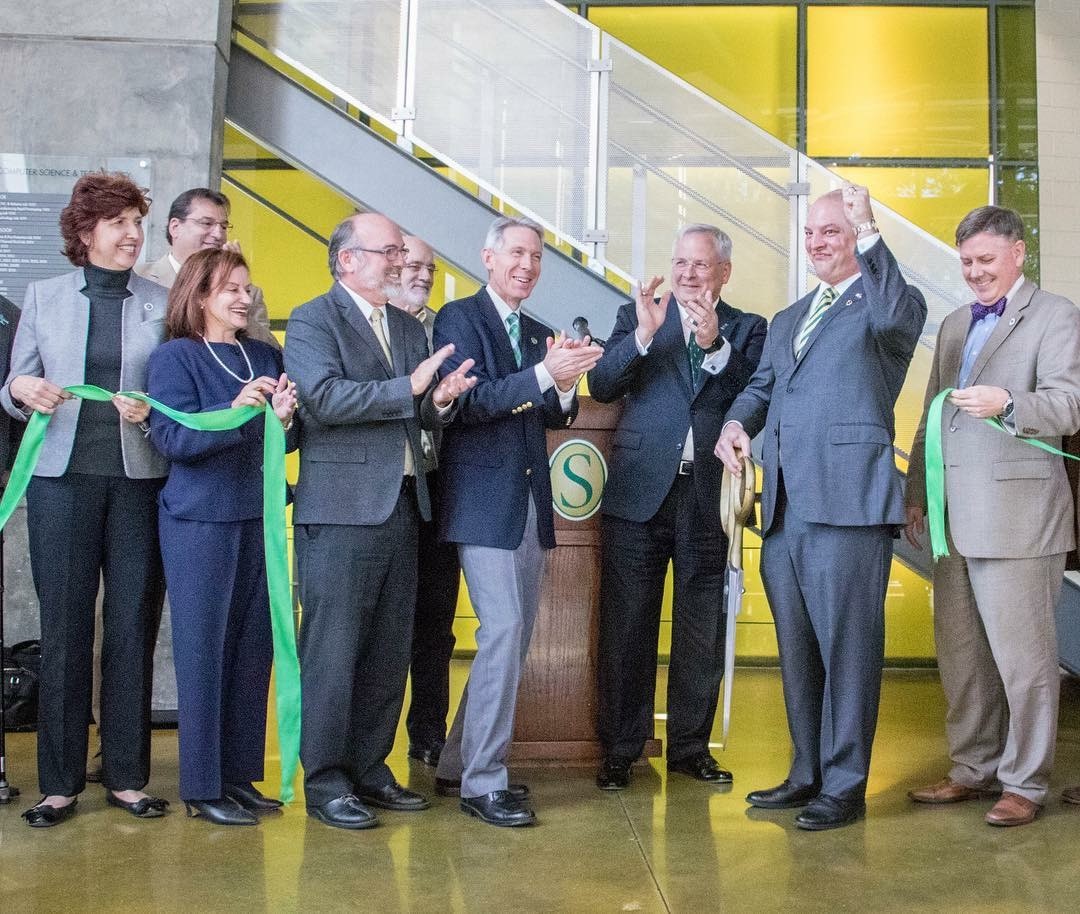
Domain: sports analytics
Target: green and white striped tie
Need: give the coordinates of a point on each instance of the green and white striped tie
(513, 327)
(814, 318)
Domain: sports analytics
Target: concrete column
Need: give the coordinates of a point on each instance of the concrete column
(1057, 27)
(137, 78)
(122, 78)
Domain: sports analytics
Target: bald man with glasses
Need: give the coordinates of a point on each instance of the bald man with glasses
(366, 386)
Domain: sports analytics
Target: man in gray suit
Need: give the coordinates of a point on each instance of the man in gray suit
(824, 394)
(366, 386)
(439, 573)
(199, 219)
(1014, 353)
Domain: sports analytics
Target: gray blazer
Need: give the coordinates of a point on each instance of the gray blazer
(827, 416)
(51, 343)
(161, 271)
(356, 410)
(1007, 499)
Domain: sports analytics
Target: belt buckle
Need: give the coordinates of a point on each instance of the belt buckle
(686, 467)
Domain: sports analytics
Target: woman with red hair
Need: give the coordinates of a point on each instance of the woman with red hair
(92, 504)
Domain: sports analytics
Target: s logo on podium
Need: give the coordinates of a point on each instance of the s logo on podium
(578, 475)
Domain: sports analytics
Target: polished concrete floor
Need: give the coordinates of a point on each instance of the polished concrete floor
(667, 844)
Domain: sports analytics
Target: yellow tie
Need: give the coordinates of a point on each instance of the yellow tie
(380, 334)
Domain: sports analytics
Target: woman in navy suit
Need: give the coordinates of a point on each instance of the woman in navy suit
(91, 507)
(210, 521)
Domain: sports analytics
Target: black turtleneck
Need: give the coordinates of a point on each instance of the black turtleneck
(97, 437)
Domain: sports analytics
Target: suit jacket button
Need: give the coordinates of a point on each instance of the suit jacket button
(528, 472)
(791, 390)
(953, 428)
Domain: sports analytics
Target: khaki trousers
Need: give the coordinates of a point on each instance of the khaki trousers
(998, 659)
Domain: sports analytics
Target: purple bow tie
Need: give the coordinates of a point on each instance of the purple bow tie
(979, 311)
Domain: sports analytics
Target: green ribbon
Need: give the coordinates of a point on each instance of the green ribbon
(287, 678)
(935, 469)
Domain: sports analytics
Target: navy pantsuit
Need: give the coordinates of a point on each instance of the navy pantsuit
(212, 547)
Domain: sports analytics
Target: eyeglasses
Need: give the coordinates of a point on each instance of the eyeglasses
(390, 252)
(698, 266)
(418, 265)
(207, 224)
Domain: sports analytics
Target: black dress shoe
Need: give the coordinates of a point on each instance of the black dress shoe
(251, 798)
(394, 796)
(451, 787)
(428, 755)
(826, 812)
(145, 808)
(498, 808)
(43, 816)
(614, 773)
(703, 767)
(220, 812)
(785, 796)
(344, 812)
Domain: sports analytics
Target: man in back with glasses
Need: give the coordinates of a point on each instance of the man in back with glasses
(199, 219)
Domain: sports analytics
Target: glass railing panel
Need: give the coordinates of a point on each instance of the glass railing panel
(502, 90)
(676, 157)
(352, 48)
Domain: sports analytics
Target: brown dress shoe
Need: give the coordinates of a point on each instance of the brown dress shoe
(946, 791)
(1012, 809)
(1071, 795)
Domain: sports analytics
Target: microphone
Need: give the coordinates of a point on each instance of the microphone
(581, 329)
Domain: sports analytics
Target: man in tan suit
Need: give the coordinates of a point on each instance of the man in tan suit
(198, 219)
(1014, 354)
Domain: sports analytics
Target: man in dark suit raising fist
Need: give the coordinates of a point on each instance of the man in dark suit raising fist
(823, 396)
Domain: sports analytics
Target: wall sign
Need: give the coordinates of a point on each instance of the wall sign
(33, 190)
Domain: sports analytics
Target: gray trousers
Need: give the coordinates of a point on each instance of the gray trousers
(826, 588)
(504, 587)
(997, 656)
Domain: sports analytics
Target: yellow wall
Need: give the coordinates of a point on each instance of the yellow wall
(897, 81)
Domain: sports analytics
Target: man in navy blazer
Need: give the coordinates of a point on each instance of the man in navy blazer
(676, 364)
(824, 396)
(365, 384)
(495, 501)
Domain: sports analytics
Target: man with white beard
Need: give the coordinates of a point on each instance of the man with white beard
(439, 573)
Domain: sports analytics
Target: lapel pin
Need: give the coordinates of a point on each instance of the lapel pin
(532, 339)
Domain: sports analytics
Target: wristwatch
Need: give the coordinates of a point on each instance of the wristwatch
(717, 345)
(1007, 410)
(865, 228)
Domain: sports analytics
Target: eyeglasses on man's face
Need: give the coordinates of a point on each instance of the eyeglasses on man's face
(207, 224)
(390, 252)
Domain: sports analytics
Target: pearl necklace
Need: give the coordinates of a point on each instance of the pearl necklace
(251, 371)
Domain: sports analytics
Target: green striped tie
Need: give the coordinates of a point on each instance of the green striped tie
(814, 318)
(513, 327)
(696, 355)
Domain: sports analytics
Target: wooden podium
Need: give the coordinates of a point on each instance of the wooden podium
(557, 699)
